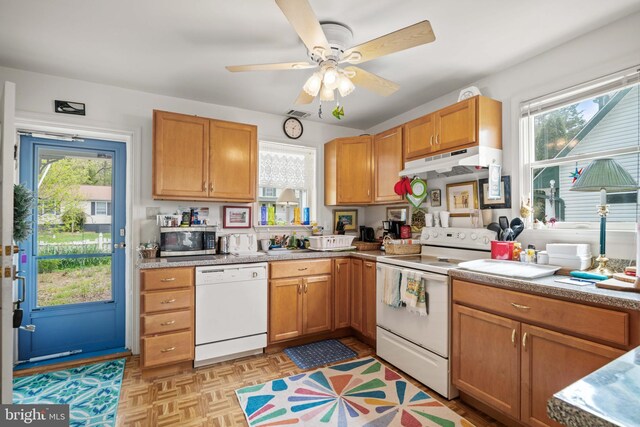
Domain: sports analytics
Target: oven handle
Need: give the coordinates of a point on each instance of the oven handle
(424, 274)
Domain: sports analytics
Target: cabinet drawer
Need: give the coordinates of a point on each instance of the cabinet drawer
(593, 322)
(165, 349)
(166, 278)
(282, 269)
(167, 300)
(166, 322)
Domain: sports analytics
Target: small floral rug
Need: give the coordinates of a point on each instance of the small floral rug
(92, 391)
(363, 392)
(319, 353)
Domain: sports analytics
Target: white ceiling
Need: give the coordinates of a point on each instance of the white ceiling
(180, 48)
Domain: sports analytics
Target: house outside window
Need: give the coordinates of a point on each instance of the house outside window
(286, 166)
(563, 132)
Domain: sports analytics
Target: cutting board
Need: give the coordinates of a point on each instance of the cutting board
(517, 270)
(618, 285)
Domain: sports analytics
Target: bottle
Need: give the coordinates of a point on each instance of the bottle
(296, 215)
(263, 215)
(517, 249)
(271, 215)
(305, 216)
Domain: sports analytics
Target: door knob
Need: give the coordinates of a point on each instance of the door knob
(119, 245)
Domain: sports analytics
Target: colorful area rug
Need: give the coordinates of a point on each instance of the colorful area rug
(319, 353)
(359, 393)
(92, 391)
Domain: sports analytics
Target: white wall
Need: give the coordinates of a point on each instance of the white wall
(600, 52)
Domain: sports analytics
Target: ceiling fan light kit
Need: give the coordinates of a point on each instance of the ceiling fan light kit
(327, 48)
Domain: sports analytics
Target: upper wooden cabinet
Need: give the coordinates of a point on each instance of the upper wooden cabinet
(195, 158)
(180, 156)
(474, 121)
(348, 171)
(387, 164)
(233, 161)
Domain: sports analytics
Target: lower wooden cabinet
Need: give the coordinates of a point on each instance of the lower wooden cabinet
(300, 305)
(512, 366)
(363, 297)
(166, 317)
(342, 293)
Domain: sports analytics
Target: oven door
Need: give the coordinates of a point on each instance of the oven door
(176, 241)
(431, 331)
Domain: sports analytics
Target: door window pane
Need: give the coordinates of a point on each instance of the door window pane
(74, 197)
(73, 281)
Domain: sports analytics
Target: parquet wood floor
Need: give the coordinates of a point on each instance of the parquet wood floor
(205, 396)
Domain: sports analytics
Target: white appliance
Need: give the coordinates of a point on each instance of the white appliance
(421, 345)
(474, 156)
(231, 312)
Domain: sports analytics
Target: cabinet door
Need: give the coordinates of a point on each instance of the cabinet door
(285, 309)
(357, 301)
(456, 125)
(317, 311)
(486, 363)
(419, 135)
(233, 161)
(180, 156)
(550, 362)
(387, 164)
(342, 293)
(369, 298)
(354, 170)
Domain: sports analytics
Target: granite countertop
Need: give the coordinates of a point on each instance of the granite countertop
(549, 286)
(609, 396)
(195, 261)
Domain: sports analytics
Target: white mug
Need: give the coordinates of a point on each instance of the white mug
(428, 220)
(265, 243)
(444, 219)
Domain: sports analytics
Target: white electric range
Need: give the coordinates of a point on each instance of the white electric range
(420, 345)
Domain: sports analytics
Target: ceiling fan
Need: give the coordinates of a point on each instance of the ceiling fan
(328, 47)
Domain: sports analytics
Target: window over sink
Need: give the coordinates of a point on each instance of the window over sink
(563, 132)
(284, 166)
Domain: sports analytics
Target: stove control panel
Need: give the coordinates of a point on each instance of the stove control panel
(473, 238)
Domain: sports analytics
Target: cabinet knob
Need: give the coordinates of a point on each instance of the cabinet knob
(170, 322)
(513, 337)
(524, 341)
(520, 306)
(168, 279)
(168, 301)
(166, 350)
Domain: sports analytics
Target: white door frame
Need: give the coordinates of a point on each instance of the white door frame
(131, 138)
(7, 168)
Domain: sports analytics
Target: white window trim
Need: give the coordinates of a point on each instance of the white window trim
(551, 101)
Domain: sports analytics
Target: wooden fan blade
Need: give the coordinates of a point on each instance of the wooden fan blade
(372, 82)
(411, 36)
(304, 98)
(271, 67)
(304, 22)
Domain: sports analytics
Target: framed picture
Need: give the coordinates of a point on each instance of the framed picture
(436, 198)
(397, 213)
(504, 202)
(462, 198)
(348, 217)
(236, 217)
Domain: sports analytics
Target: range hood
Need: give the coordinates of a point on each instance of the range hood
(474, 156)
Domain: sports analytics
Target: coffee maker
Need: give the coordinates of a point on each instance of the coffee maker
(392, 228)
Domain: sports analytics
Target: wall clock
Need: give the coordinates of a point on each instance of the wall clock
(292, 128)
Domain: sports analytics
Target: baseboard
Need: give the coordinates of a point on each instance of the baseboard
(493, 413)
(281, 345)
(69, 364)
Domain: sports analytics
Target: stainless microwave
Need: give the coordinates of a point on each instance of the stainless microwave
(182, 241)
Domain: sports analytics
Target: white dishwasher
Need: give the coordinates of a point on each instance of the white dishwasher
(231, 312)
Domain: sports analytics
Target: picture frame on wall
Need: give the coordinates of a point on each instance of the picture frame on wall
(462, 198)
(349, 218)
(504, 202)
(436, 198)
(397, 213)
(236, 217)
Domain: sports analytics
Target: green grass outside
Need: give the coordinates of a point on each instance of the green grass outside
(67, 237)
(74, 286)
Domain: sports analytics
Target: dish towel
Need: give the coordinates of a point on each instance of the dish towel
(415, 295)
(391, 287)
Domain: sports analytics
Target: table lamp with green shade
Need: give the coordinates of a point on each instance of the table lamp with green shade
(605, 176)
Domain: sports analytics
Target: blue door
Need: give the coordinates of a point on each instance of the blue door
(74, 263)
